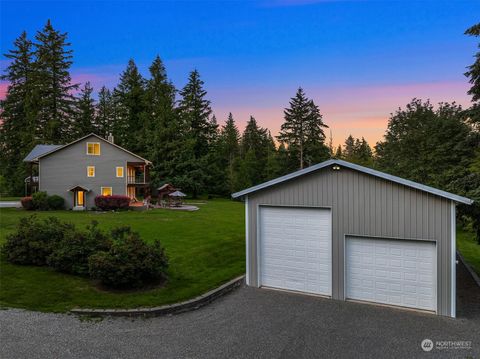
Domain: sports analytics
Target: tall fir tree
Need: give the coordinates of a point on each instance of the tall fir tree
(349, 148)
(228, 151)
(196, 112)
(302, 130)
(54, 85)
(164, 133)
(129, 110)
(18, 115)
(85, 113)
(254, 150)
(339, 152)
(104, 113)
(201, 129)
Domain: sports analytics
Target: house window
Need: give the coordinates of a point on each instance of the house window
(106, 191)
(119, 171)
(91, 171)
(93, 148)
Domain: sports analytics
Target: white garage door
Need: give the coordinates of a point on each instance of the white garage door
(295, 249)
(394, 272)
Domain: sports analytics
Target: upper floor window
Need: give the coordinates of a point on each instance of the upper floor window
(90, 171)
(119, 171)
(93, 148)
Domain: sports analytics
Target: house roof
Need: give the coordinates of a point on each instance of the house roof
(60, 147)
(359, 168)
(40, 150)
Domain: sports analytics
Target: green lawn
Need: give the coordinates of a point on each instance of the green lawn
(469, 248)
(206, 248)
(10, 199)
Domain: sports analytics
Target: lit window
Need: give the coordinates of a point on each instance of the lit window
(106, 191)
(119, 171)
(91, 171)
(93, 148)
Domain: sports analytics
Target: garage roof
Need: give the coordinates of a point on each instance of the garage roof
(359, 168)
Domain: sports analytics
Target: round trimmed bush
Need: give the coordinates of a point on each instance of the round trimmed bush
(129, 262)
(70, 254)
(40, 201)
(55, 202)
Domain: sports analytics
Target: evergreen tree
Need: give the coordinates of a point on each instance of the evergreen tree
(228, 151)
(315, 149)
(18, 115)
(303, 131)
(254, 150)
(129, 110)
(163, 131)
(363, 153)
(104, 113)
(196, 112)
(53, 83)
(201, 130)
(349, 148)
(331, 150)
(85, 113)
(338, 152)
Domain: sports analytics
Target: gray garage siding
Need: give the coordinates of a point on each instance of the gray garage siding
(363, 205)
(67, 168)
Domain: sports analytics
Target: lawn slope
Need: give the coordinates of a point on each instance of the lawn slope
(205, 248)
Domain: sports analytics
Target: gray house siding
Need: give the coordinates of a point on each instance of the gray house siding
(363, 205)
(67, 168)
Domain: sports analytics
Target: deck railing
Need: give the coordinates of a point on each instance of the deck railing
(138, 179)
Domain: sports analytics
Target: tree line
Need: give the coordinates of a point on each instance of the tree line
(177, 130)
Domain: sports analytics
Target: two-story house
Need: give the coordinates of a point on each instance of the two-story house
(88, 167)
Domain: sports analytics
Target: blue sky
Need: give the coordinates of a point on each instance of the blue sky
(359, 60)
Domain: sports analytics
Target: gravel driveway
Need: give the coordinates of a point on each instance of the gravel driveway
(250, 323)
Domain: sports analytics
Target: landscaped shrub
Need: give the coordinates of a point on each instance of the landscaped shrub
(34, 240)
(40, 201)
(110, 203)
(27, 203)
(129, 262)
(70, 254)
(120, 260)
(55, 202)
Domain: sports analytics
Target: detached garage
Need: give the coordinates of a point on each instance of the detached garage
(348, 232)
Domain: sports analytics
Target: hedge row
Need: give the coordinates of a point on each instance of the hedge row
(119, 259)
(111, 203)
(43, 202)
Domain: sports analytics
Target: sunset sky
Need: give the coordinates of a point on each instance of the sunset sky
(358, 60)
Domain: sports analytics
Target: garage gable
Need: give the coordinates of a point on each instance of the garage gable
(334, 163)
